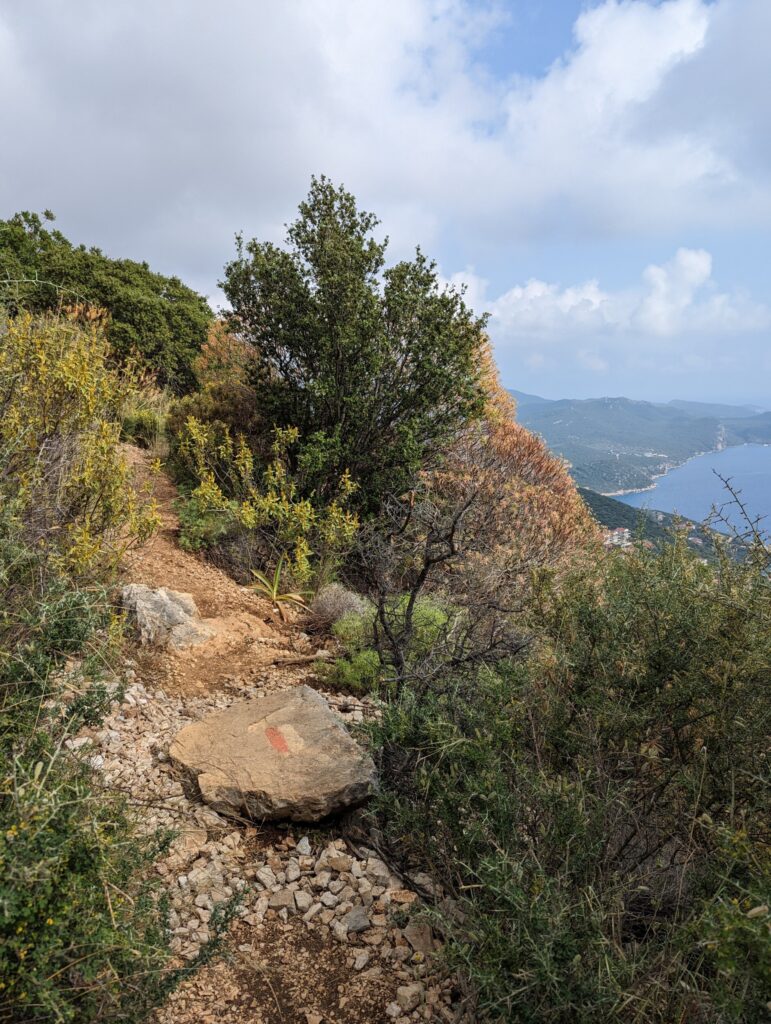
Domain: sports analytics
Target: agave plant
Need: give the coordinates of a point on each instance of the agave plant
(271, 589)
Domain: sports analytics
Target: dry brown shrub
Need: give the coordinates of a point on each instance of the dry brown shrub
(497, 509)
(329, 605)
(224, 358)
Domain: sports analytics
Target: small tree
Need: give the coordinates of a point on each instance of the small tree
(154, 318)
(374, 366)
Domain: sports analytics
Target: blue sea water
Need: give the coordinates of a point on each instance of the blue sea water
(694, 488)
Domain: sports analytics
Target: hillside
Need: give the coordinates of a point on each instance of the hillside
(617, 444)
(611, 514)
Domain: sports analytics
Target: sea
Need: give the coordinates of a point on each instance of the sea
(694, 488)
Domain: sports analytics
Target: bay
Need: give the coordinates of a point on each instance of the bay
(693, 488)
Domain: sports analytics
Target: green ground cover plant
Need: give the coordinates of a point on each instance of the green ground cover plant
(599, 807)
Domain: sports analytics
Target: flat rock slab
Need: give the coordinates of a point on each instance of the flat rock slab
(164, 618)
(284, 756)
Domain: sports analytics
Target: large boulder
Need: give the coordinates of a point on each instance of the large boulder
(164, 618)
(284, 756)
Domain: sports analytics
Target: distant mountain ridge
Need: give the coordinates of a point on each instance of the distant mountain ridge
(621, 444)
(720, 411)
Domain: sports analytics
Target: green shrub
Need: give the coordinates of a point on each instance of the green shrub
(375, 367)
(201, 525)
(233, 496)
(364, 666)
(154, 318)
(142, 428)
(599, 809)
(82, 931)
(354, 630)
(61, 401)
(81, 936)
(357, 673)
(144, 416)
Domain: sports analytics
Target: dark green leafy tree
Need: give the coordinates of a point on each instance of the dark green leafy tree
(375, 366)
(155, 318)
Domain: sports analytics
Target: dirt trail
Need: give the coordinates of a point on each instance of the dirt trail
(249, 638)
(282, 965)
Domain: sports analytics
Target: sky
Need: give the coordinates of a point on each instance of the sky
(596, 174)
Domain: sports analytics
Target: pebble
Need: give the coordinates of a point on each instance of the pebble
(283, 898)
(303, 900)
(409, 996)
(266, 877)
(356, 920)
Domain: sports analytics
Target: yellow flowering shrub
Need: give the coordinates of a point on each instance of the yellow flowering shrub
(83, 936)
(310, 537)
(59, 438)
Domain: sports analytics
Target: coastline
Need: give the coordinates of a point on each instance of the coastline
(676, 465)
(634, 490)
(694, 492)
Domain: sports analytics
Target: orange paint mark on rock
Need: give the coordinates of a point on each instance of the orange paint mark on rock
(276, 739)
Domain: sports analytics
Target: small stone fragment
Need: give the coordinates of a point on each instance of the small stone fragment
(303, 901)
(420, 937)
(356, 920)
(266, 877)
(409, 996)
(283, 898)
(403, 896)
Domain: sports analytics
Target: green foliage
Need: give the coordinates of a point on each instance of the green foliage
(271, 588)
(81, 938)
(144, 415)
(155, 318)
(358, 672)
(430, 621)
(374, 367)
(358, 669)
(60, 404)
(82, 935)
(354, 630)
(599, 810)
(231, 496)
(364, 666)
(203, 525)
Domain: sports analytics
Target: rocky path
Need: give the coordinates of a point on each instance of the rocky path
(327, 933)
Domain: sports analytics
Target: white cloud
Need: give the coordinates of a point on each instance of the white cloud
(160, 129)
(677, 297)
(539, 307)
(675, 321)
(671, 291)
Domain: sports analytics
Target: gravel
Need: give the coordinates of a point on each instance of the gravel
(342, 898)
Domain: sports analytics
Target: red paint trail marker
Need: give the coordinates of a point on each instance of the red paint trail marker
(276, 739)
